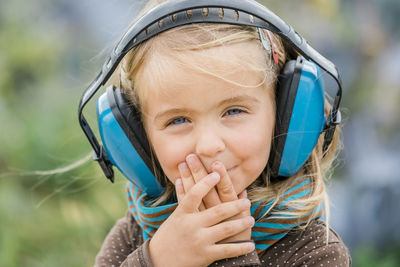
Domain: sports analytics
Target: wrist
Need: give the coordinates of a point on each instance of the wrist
(153, 254)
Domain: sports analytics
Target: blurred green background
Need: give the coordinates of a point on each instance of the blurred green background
(51, 50)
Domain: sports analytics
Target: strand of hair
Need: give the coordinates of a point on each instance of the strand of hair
(236, 15)
(221, 13)
(205, 12)
(189, 14)
(251, 19)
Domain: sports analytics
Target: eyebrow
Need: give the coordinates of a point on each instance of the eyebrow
(235, 99)
(240, 99)
(170, 112)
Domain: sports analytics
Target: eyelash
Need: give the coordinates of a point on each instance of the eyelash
(234, 109)
(173, 121)
(181, 120)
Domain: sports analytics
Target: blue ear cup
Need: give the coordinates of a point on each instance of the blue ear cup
(125, 140)
(300, 116)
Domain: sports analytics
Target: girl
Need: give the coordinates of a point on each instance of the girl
(207, 99)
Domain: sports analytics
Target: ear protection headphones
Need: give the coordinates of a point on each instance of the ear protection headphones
(300, 97)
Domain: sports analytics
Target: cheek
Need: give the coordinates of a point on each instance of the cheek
(257, 157)
(170, 153)
(254, 150)
(255, 142)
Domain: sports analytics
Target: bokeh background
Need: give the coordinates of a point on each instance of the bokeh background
(50, 50)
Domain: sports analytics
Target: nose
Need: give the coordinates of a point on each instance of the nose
(209, 142)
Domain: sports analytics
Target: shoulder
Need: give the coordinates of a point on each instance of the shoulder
(131, 229)
(123, 238)
(308, 247)
(126, 233)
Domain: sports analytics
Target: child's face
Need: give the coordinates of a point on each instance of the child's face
(214, 119)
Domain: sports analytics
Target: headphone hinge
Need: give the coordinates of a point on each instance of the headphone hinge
(329, 129)
(104, 163)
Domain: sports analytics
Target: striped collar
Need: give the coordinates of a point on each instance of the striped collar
(268, 229)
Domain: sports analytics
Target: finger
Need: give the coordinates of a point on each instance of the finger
(202, 206)
(243, 195)
(193, 198)
(223, 251)
(186, 175)
(230, 228)
(226, 191)
(180, 192)
(187, 180)
(198, 171)
(223, 211)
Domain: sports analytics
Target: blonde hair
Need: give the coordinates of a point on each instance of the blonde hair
(140, 68)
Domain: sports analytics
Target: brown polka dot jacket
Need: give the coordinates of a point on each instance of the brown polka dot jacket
(124, 246)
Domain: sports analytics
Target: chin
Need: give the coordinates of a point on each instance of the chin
(238, 186)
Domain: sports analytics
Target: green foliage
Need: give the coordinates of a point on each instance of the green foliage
(370, 256)
(59, 228)
(46, 219)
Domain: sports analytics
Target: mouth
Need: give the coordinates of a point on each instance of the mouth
(231, 169)
(228, 170)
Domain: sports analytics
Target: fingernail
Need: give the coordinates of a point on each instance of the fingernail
(178, 182)
(216, 164)
(246, 203)
(182, 166)
(215, 176)
(250, 220)
(191, 158)
(250, 247)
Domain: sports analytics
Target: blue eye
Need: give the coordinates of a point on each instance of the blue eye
(179, 120)
(234, 111)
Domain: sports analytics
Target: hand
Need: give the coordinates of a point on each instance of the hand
(193, 171)
(189, 237)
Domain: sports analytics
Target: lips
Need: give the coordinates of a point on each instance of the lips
(231, 169)
(227, 169)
